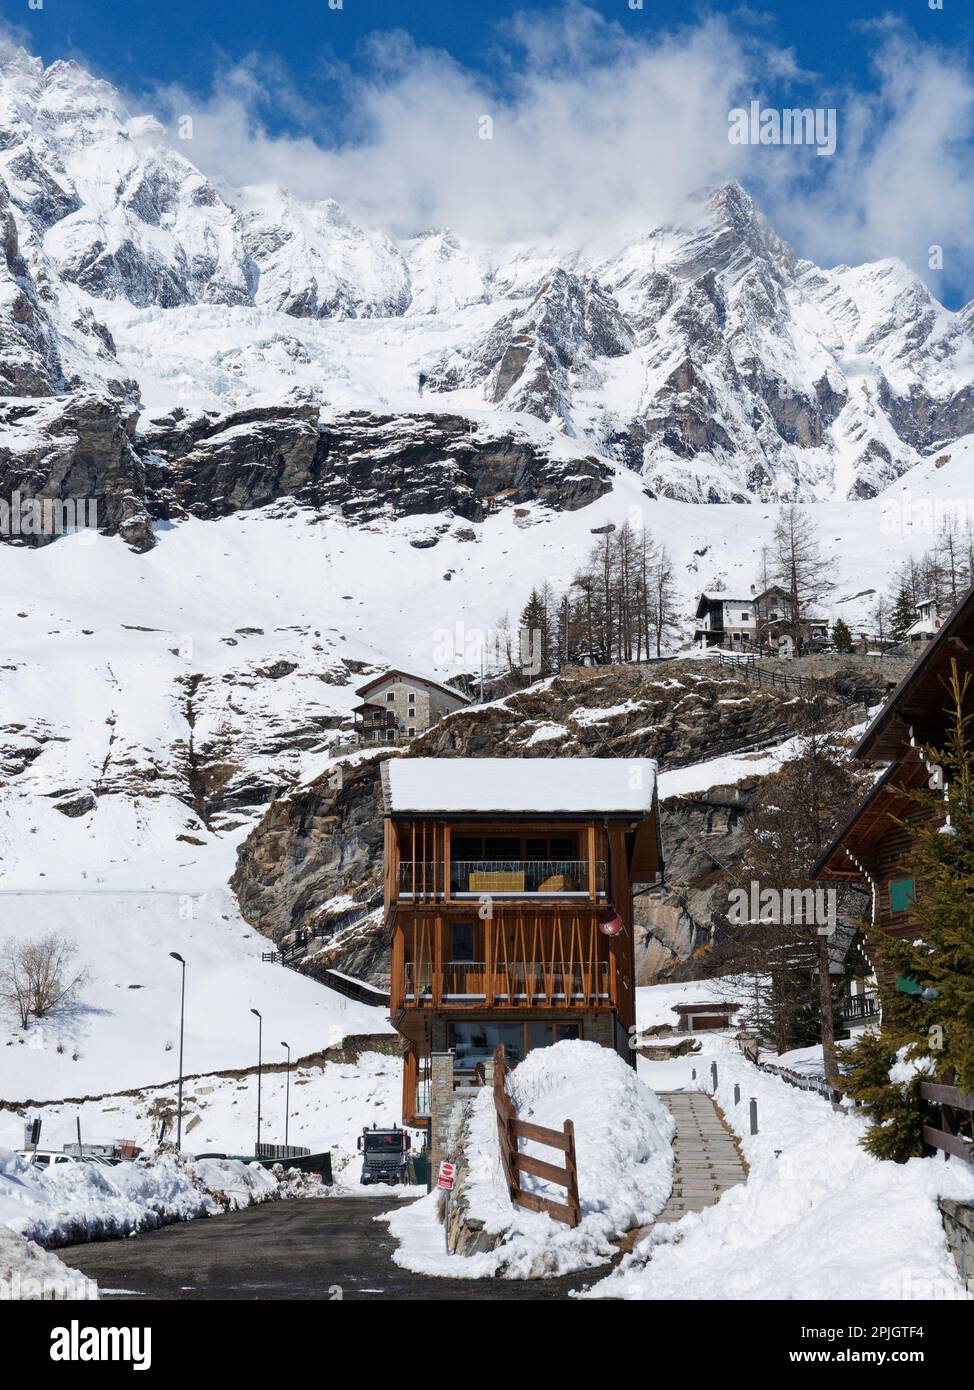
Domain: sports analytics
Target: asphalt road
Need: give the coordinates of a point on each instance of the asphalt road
(303, 1249)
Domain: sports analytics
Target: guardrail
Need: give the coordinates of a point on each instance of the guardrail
(800, 1080)
(510, 1130)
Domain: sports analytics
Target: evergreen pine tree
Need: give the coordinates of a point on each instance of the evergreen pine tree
(841, 636)
(903, 615)
(933, 1027)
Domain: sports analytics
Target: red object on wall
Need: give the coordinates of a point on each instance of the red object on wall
(611, 925)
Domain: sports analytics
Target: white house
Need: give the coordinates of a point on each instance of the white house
(928, 624)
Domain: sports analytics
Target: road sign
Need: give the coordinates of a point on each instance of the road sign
(445, 1178)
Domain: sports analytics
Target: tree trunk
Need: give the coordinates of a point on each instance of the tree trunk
(825, 1008)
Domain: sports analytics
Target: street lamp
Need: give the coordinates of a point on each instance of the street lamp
(182, 1017)
(260, 1041)
(287, 1091)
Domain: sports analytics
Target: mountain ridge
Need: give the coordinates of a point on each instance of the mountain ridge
(704, 355)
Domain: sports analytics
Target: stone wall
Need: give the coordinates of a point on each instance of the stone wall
(958, 1220)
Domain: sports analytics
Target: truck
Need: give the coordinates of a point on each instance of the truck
(384, 1155)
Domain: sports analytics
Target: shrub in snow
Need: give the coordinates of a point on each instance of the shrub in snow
(623, 1147)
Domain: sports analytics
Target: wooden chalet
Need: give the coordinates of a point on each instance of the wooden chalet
(871, 847)
(508, 895)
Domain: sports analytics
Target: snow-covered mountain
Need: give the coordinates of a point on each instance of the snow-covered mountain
(704, 355)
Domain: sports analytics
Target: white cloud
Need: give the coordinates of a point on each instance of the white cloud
(599, 133)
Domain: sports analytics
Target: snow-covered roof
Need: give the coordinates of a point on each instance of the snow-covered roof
(545, 786)
(727, 598)
(410, 679)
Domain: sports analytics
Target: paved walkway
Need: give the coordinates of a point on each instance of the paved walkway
(707, 1160)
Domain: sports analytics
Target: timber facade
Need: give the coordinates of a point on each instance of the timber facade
(509, 927)
(875, 845)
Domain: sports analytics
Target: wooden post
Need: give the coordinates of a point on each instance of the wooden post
(591, 863)
(574, 1204)
(446, 863)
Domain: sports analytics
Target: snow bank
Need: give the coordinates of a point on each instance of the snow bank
(818, 1218)
(77, 1202)
(623, 1146)
(29, 1273)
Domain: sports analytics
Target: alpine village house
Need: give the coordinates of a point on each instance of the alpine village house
(762, 621)
(397, 706)
(871, 848)
(509, 900)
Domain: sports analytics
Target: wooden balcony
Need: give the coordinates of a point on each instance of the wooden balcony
(431, 881)
(549, 957)
(536, 982)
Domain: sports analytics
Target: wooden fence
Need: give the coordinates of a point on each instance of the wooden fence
(956, 1112)
(766, 675)
(510, 1130)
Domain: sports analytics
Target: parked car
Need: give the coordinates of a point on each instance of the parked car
(46, 1158)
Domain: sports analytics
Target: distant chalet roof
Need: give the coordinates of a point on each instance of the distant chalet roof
(706, 598)
(519, 786)
(416, 680)
(716, 1007)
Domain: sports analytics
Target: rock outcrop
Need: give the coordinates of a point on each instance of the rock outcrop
(317, 853)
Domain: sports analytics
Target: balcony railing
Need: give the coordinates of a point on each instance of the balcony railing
(502, 878)
(516, 983)
(859, 1006)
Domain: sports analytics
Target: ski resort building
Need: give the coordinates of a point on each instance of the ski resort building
(875, 844)
(397, 707)
(509, 900)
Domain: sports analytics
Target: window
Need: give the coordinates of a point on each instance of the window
(412, 731)
(390, 697)
(412, 699)
(473, 1043)
(902, 895)
(463, 938)
(544, 1034)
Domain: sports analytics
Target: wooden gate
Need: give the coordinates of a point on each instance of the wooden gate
(510, 1130)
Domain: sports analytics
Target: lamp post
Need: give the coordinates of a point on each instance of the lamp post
(260, 1043)
(287, 1091)
(182, 1018)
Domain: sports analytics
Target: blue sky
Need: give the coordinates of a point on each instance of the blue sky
(143, 42)
(603, 114)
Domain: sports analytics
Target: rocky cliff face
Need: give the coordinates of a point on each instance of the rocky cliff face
(317, 854)
(359, 467)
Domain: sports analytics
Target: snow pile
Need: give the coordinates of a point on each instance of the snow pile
(76, 1202)
(329, 1106)
(818, 1218)
(29, 1273)
(623, 1147)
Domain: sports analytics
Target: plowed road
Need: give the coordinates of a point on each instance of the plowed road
(321, 1249)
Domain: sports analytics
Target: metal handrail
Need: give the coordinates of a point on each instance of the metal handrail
(476, 877)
